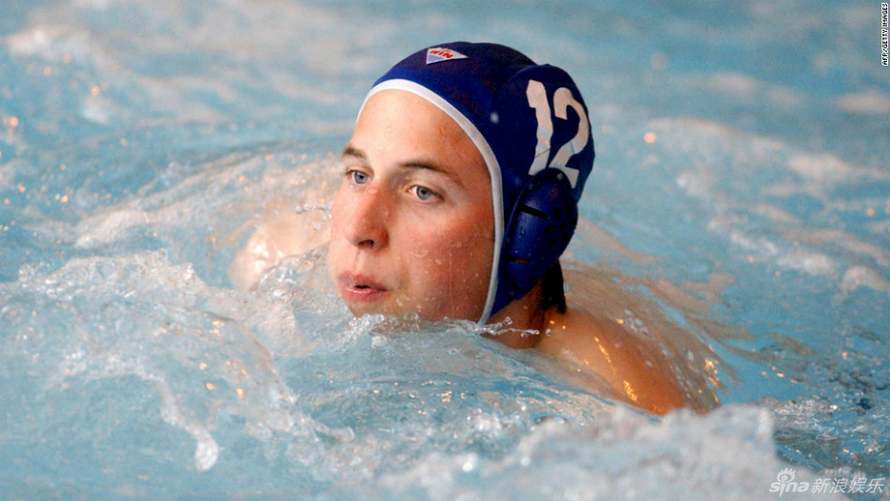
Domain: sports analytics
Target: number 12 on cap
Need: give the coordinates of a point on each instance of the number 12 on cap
(562, 99)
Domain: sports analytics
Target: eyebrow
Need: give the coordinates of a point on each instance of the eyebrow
(418, 164)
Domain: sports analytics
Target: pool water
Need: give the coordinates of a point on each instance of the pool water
(741, 191)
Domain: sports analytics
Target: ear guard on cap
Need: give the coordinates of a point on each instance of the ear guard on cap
(539, 229)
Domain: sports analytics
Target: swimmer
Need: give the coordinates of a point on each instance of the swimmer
(459, 193)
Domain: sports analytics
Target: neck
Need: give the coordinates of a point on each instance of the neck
(525, 314)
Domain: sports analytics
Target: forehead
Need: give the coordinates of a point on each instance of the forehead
(396, 124)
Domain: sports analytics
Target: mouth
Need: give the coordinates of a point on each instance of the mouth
(360, 288)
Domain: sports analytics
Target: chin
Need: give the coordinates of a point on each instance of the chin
(358, 310)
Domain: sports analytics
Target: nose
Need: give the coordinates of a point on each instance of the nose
(366, 223)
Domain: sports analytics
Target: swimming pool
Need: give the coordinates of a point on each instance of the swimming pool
(741, 185)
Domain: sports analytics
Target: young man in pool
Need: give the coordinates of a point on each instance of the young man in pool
(459, 194)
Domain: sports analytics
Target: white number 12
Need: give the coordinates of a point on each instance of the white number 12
(562, 99)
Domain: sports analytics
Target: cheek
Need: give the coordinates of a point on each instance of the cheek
(337, 210)
(471, 253)
(455, 241)
(451, 263)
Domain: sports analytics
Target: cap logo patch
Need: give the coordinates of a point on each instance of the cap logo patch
(439, 54)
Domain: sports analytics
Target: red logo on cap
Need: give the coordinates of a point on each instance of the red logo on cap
(439, 54)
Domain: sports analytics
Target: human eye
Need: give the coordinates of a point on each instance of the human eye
(357, 176)
(424, 194)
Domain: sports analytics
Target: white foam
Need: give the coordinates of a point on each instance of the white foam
(7, 174)
(862, 276)
(705, 138)
(109, 226)
(762, 248)
(695, 184)
(839, 238)
(760, 245)
(775, 214)
(746, 86)
(622, 455)
(817, 171)
(733, 83)
(52, 42)
(206, 448)
(867, 102)
(96, 109)
(821, 168)
(99, 5)
(140, 315)
(811, 262)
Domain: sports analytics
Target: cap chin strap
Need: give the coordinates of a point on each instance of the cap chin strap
(491, 162)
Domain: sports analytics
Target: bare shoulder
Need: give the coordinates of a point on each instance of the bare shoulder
(634, 367)
(280, 234)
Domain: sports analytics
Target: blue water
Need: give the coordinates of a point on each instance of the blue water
(141, 143)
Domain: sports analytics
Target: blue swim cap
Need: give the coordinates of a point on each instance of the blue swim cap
(530, 124)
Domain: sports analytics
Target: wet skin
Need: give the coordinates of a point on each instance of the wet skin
(412, 223)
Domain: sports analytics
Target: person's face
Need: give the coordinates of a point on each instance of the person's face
(412, 224)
